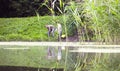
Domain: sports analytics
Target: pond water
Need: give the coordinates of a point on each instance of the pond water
(33, 58)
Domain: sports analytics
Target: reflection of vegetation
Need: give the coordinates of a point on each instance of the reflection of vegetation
(33, 57)
(93, 62)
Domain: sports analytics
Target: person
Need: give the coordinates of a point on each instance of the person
(59, 30)
(51, 29)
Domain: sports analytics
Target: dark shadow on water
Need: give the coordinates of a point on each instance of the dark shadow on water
(18, 68)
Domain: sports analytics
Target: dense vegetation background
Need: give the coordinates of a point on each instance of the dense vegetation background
(89, 19)
(92, 20)
(23, 8)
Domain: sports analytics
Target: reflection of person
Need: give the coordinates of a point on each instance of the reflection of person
(50, 52)
(59, 56)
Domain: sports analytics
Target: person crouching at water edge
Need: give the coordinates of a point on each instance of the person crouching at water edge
(52, 29)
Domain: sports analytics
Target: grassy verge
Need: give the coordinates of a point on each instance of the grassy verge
(26, 29)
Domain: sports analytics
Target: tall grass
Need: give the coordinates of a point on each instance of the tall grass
(95, 20)
(104, 18)
(99, 18)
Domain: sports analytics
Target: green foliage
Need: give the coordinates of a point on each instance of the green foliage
(94, 20)
(104, 18)
(2, 38)
(26, 29)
